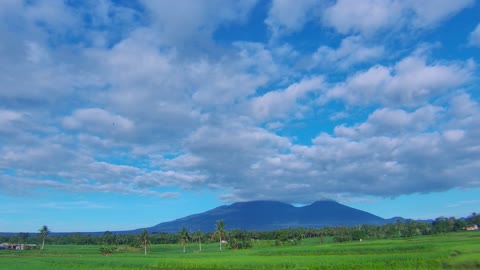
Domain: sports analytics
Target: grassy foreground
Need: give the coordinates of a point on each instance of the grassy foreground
(447, 251)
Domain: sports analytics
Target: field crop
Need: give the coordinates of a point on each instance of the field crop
(447, 251)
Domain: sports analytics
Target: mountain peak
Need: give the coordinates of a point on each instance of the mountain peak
(260, 203)
(325, 201)
(272, 215)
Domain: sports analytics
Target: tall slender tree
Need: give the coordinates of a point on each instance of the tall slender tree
(184, 238)
(220, 232)
(43, 233)
(145, 240)
(199, 235)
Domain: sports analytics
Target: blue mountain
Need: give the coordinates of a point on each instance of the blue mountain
(271, 215)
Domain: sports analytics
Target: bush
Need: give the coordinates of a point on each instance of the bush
(239, 244)
(106, 251)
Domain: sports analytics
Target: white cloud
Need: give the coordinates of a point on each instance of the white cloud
(454, 134)
(194, 21)
(391, 122)
(475, 36)
(395, 153)
(153, 102)
(374, 16)
(350, 52)
(349, 16)
(411, 81)
(287, 15)
(431, 12)
(7, 116)
(258, 59)
(224, 153)
(99, 121)
(186, 180)
(218, 86)
(463, 107)
(279, 104)
(53, 14)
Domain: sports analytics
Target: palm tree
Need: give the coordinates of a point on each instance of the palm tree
(198, 235)
(184, 238)
(144, 239)
(43, 233)
(220, 231)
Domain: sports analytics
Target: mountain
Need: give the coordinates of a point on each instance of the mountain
(271, 215)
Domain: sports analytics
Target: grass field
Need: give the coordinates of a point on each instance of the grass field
(447, 251)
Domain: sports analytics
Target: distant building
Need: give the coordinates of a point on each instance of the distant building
(13, 246)
(473, 227)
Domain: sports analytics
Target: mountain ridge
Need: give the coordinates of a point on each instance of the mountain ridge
(271, 215)
(263, 216)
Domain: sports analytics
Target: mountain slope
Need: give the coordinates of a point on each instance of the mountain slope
(269, 215)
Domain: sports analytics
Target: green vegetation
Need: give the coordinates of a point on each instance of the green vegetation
(184, 238)
(240, 239)
(145, 241)
(43, 233)
(458, 250)
(220, 232)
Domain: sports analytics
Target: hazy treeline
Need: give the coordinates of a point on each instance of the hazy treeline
(238, 239)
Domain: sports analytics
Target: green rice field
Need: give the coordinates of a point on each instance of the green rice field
(447, 251)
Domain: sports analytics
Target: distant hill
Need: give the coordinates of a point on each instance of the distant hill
(271, 215)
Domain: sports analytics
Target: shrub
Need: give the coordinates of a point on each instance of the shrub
(106, 251)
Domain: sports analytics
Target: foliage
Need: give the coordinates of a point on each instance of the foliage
(106, 250)
(220, 232)
(238, 239)
(458, 250)
(184, 238)
(288, 237)
(43, 234)
(474, 218)
(197, 236)
(144, 240)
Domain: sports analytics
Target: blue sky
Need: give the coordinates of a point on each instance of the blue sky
(123, 114)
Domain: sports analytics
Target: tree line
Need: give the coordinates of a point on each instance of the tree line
(241, 239)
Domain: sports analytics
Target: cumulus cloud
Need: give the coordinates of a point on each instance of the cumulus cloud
(160, 104)
(279, 104)
(196, 20)
(217, 86)
(366, 17)
(390, 122)
(286, 16)
(373, 16)
(99, 121)
(362, 17)
(9, 116)
(379, 166)
(428, 13)
(411, 81)
(350, 52)
(385, 156)
(53, 14)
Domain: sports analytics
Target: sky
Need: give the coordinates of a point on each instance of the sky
(118, 115)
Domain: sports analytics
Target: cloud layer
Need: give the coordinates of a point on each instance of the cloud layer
(148, 97)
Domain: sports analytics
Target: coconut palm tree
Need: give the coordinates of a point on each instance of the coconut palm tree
(220, 231)
(198, 235)
(184, 237)
(43, 233)
(145, 240)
